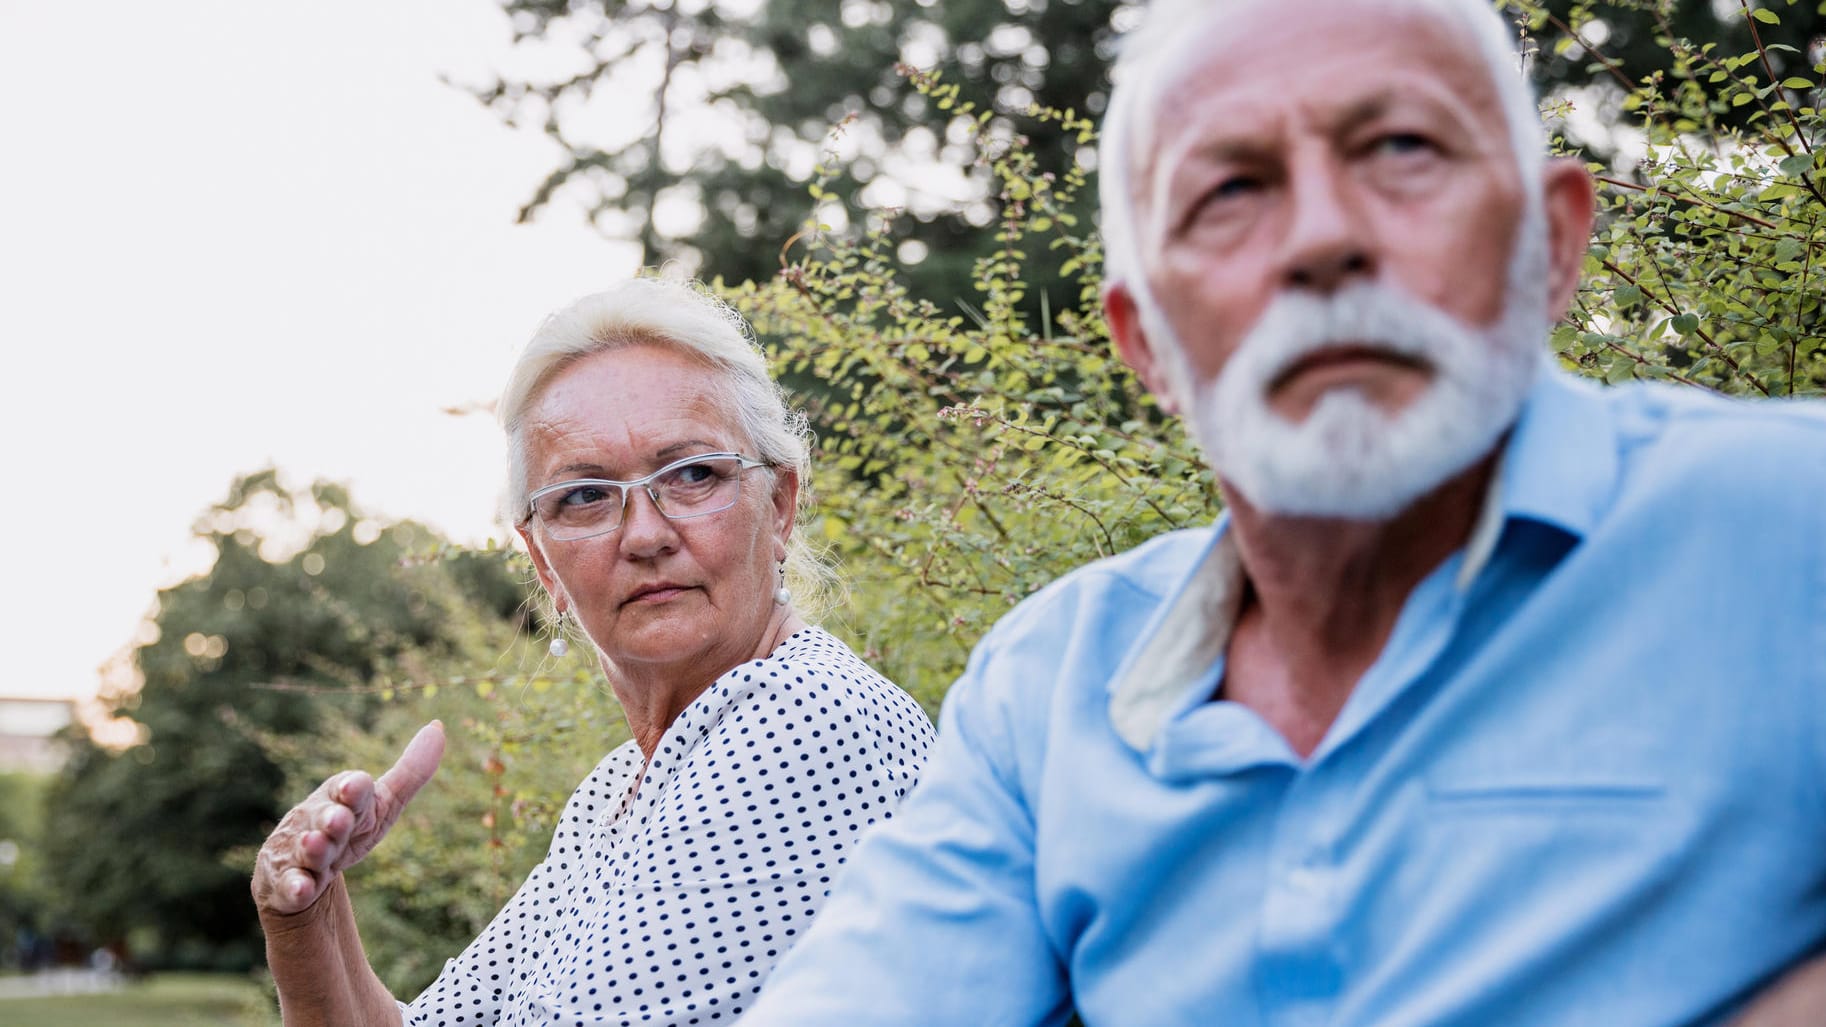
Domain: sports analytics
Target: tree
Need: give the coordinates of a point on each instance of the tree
(23, 910)
(1600, 53)
(256, 649)
(740, 102)
(968, 460)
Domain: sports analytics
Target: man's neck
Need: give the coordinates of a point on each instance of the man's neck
(1323, 597)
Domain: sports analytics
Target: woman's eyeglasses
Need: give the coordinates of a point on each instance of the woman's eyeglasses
(692, 487)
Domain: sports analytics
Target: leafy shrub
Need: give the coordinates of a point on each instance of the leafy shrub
(972, 452)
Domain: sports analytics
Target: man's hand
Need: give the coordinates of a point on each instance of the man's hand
(339, 824)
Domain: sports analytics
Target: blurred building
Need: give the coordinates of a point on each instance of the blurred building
(28, 734)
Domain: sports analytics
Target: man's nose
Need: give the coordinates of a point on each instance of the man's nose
(1326, 246)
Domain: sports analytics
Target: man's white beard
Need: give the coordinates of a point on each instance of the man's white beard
(1349, 458)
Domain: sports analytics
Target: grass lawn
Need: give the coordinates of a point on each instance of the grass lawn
(167, 1000)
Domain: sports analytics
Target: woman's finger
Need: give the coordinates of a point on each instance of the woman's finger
(416, 765)
(316, 851)
(354, 789)
(334, 820)
(284, 881)
(299, 889)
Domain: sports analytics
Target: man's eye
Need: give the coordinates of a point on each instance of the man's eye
(1224, 200)
(1398, 144)
(1233, 187)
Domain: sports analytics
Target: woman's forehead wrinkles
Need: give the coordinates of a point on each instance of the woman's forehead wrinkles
(585, 452)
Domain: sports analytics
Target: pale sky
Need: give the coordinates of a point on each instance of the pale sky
(237, 233)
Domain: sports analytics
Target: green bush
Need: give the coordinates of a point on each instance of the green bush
(971, 452)
(1709, 262)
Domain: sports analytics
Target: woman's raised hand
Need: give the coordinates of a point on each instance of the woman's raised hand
(340, 823)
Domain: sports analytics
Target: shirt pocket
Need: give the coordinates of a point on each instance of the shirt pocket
(1544, 796)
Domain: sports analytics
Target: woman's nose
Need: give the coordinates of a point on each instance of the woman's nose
(644, 529)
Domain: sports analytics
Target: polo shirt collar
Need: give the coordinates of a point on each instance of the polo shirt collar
(1182, 643)
(1558, 467)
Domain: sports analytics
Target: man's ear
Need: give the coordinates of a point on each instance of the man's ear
(547, 579)
(1123, 313)
(1570, 204)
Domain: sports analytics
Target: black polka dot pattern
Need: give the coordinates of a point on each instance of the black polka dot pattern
(670, 904)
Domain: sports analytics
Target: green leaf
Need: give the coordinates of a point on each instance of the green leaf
(1797, 165)
(1765, 16)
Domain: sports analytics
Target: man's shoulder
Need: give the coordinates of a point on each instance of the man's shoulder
(1650, 413)
(1689, 438)
(1117, 588)
(1043, 672)
(1653, 407)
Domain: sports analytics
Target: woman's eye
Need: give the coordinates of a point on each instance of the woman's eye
(693, 474)
(584, 495)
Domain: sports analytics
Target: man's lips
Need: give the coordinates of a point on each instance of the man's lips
(655, 593)
(1342, 357)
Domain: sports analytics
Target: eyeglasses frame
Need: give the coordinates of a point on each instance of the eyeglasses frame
(645, 483)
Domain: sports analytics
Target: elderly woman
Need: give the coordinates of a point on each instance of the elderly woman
(655, 476)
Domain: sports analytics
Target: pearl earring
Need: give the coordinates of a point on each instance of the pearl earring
(559, 646)
(783, 595)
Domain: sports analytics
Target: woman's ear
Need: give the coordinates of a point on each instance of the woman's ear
(547, 578)
(785, 504)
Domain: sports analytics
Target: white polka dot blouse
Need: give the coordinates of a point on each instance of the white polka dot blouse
(670, 904)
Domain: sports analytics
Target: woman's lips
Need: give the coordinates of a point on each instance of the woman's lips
(655, 594)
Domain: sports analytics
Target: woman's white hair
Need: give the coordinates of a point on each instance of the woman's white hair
(1169, 25)
(683, 318)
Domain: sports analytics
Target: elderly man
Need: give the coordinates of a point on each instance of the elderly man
(1495, 698)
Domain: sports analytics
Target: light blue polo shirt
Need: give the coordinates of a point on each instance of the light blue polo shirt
(1585, 782)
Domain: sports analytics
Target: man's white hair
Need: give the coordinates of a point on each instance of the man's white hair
(1169, 25)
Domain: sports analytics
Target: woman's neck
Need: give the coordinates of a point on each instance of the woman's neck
(652, 697)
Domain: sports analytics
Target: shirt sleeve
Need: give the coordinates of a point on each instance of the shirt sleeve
(934, 921)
